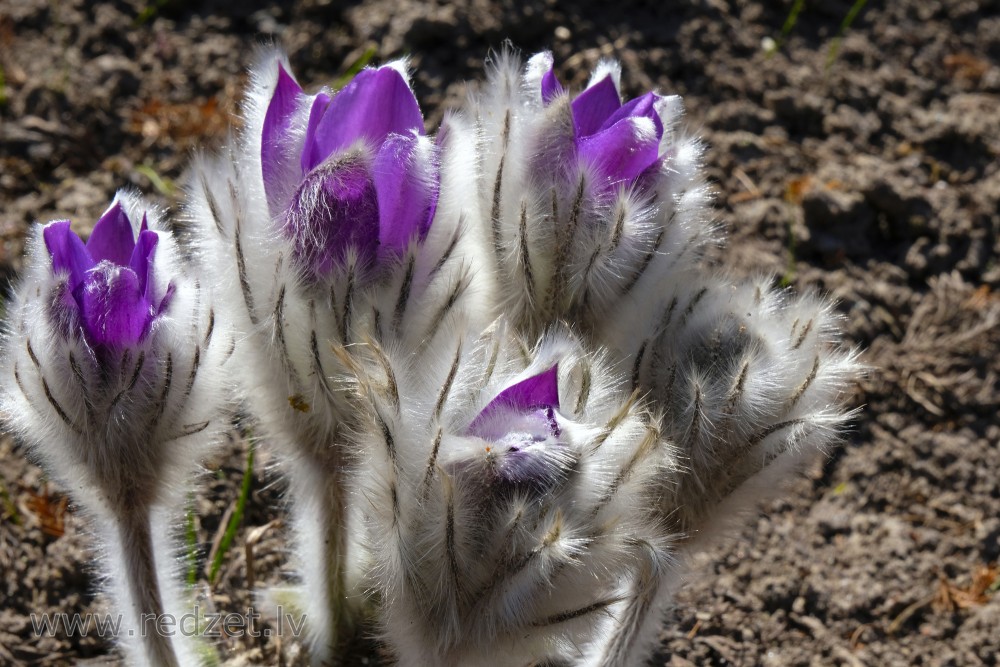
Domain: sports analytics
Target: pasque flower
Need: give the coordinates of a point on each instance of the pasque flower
(587, 199)
(110, 289)
(619, 142)
(318, 223)
(364, 177)
(112, 375)
(505, 503)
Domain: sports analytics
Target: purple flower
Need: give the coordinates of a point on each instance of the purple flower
(620, 142)
(521, 426)
(109, 281)
(364, 177)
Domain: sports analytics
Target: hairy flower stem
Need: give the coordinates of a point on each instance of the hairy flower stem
(140, 589)
(320, 514)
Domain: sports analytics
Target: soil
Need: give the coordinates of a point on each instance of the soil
(871, 173)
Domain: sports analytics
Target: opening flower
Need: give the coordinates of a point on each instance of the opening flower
(521, 428)
(109, 280)
(620, 142)
(363, 176)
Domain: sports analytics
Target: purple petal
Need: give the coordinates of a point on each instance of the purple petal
(623, 151)
(335, 207)
(536, 392)
(141, 262)
(310, 153)
(551, 88)
(376, 103)
(69, 254)
(277, 120)
(594, 106)
(168, 296)
(642, 106)
(112, 237)
(115, 312)
(407, 193)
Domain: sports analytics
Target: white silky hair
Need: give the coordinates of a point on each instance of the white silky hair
(469, 574)
(751, 380)
(123, 433)
(607, 67)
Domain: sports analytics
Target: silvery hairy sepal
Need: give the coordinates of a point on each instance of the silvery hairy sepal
(509, 504)
(112, 364)
(588, 200)
(751, 380)
(332, 219)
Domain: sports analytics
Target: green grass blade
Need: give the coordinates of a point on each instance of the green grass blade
(149, 12)
(773, 45)
(191, 543)
(235, 519)
(845, 25)
(3, 88)
(8, 505)
(163, 185)
(793, 18)
(355, 67)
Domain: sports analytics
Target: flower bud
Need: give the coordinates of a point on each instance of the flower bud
(509, 503)
(587, 199)
(323, 225)
(751, 381)
(618, 142)
(113, 377)
(366, 175)
(110, 291)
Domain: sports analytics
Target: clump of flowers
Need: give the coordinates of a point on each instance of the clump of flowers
(507, 395)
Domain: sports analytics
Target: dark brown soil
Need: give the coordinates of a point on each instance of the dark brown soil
(874, 177)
